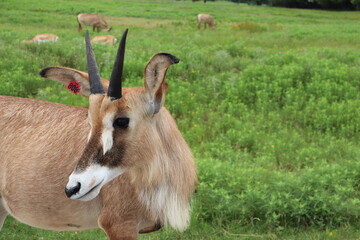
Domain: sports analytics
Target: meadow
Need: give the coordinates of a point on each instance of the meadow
(268, 101)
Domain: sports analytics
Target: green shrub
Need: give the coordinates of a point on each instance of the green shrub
(317, 197)
(268, 101)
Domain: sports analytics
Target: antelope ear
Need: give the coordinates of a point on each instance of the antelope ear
(155, 84)
(75, 81)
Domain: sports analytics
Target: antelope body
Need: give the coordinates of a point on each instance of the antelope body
(106, 39)
(125, 144)
(45, 37)
(205, 19)
(95, 20)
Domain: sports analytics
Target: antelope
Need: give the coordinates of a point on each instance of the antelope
(106, 39)
(45, 37)
(206, 19)
(122, 161)
(94, 20)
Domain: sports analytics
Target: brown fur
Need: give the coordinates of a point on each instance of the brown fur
(42, 142)
(107, 39)
(45, 37)
(206, 19)
(95, 20)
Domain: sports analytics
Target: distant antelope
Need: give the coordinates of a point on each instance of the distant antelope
(206, 19)
(125, 144)
(94, 20)
(45, 37)
(107, 39)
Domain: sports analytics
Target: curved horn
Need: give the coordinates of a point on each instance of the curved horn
(114, 91)
(94, 77)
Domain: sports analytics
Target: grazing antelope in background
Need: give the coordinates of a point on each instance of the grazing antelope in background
(123, 157)
(206, 19)
(94, 20)
(45, 37)
(106, 39)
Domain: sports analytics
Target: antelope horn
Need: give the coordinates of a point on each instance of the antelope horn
(114, 91)
(94, 77)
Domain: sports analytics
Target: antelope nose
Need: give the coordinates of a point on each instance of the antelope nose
(72, 190)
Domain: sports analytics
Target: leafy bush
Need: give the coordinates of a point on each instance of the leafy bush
(271, 115)
(324, 196)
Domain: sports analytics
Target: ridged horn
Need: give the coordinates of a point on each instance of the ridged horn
(115, 85)
(96, 86)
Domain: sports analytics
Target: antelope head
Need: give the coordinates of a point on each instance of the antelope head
(121, 123)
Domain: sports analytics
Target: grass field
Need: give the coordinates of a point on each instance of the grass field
(268, 101)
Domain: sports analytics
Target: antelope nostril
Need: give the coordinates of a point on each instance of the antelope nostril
(71, 191)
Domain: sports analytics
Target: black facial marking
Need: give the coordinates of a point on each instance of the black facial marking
(91, 152)
(114, 157)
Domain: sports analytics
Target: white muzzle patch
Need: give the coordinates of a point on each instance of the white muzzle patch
(91, 181)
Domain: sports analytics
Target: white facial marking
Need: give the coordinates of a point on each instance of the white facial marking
(89, 136)
(107, 134)
(92, 180)
(89, 122)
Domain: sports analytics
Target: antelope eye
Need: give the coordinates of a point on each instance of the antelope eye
(121, 123)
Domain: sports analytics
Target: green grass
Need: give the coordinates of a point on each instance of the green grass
(268, 101)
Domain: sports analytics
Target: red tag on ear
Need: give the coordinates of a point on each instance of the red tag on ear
(73, 87)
